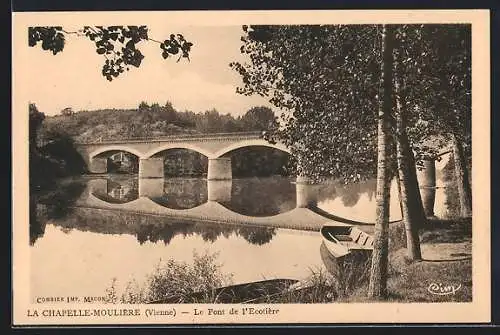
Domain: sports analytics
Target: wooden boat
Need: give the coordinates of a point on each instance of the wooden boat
(342, 240)
(351, 271)
(239, 293)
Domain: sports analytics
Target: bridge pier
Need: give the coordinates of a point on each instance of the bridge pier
(304, 180)
(306, 193)
(219, 190)
(219, 169)
(151, 187)
(151, 167)
(98, 165)
(427, 184)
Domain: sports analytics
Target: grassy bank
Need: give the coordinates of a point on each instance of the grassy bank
(446, 266)
(447, 261)
(412, 282)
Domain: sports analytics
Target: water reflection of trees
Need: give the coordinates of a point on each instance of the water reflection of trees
(351, 193)
(348, 193)
(150, 228)
(208, 232)
(183, 193)
(52, 204)
(261, 197)
(257, 236)
(154, 233)
(38, 220)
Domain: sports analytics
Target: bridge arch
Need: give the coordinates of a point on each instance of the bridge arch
(124, 148)
(109, 199)
(173, 146)
(250, 143)
(96, 164)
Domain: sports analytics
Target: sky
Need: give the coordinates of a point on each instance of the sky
(73, 78)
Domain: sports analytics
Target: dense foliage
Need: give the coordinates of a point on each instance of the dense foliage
(327, 79)
(50, 160)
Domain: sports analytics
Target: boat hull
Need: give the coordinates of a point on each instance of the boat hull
(341, 240)
(337, 250)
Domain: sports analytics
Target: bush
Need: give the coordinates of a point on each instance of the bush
(202, 282)
(176, 282)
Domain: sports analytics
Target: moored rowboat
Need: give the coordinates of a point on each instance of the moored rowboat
(342, 240)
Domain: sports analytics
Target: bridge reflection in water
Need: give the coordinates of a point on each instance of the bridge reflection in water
(205, 200)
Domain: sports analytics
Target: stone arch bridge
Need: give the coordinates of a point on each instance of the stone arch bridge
(213, 146)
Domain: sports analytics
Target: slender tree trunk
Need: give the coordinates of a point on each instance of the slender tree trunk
(413, 215)
(400, 196)
(462, 177)
(414, 181)
(377, 288)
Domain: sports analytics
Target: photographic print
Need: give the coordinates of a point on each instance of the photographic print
(227, 167)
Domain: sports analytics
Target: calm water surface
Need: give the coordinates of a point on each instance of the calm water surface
(78, 250)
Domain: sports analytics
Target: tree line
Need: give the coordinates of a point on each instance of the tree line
(150, 121)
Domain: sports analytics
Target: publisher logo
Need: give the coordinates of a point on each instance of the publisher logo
(443, 289)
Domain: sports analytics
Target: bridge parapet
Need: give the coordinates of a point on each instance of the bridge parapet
(251, 135)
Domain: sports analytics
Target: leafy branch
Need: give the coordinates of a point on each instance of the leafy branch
(117, 44)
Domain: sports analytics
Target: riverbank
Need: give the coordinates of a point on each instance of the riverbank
(443, 275)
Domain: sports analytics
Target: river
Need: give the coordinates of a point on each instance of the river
(79, 246)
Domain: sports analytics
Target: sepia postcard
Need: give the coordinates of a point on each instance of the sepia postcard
(251, 167)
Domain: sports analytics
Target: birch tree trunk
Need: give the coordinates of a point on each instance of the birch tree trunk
(377, 288)
(462, 177)
(414, 181)
(400, 195)
(412, 209)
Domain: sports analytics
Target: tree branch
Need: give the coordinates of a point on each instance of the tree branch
(153, 40)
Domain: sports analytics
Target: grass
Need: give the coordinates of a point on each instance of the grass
(447, 231)
(319, 287)
(410, 282)
(445, 246)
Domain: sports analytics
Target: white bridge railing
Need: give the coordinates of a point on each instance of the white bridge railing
(181, 138)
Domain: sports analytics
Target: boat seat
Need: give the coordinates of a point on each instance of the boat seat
(345, 238)
(363, 240)
(355, 234)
